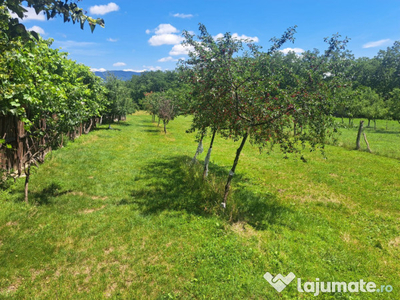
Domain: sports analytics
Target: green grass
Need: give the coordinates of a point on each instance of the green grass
(384, 140)
(120, 214)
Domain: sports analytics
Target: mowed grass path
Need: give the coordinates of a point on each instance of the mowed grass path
(119, 214)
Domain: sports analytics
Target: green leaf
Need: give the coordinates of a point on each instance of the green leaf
(92, 26)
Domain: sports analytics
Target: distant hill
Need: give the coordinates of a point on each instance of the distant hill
(123, 75)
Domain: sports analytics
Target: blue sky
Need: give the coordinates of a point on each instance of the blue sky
(145, 35)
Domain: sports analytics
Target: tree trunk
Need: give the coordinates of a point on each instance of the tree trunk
(207, 159)
(199, 149)
(158, 125)
(27, 173)
(20, 133)
(360, 128)
(165, 126)
(87, 130)
(232, 171)
(369, 122)
(374, 124)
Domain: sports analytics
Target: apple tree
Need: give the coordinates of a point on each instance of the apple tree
(246, 95)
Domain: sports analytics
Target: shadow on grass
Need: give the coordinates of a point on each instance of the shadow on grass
(148, 126)
(106, 128)
(122, 123)
(385, 131)
(173, 184)
(45, 196)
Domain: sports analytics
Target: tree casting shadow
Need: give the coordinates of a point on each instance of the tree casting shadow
(172, 184)
(46, 196)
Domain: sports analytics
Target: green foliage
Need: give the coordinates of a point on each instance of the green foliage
(347, 102)
(52, 8)
(394, 104)
(165, 105)
(244, 91)
(381, 73)
(373, 106)
(50, 94)
(41, 83)
(120, 102)
(154, 81)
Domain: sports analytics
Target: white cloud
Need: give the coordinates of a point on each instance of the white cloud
(103, 9)
(151, 68)
(238, 37)
(181, 50)
(65, 45)
(165, 39)
(169, 58)
(98, 70)
(183, 16)
(245, 37)
(112, 40)
(145, 69)
(376, 44)
(132, 70)
(218, 36)
(79, 48)
(164, 35)
(165, 29)
(37, 29)
(119, 64)
(298, 51)
(31, 15)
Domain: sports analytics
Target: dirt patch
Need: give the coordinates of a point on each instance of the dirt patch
(395, 242)
(110, 290)
(108, 250)
(9, 224)
(346, 237)
(13, 287)
(97, 198)
(35, 273)
(89, 211)
(77, 193)
(243, 229)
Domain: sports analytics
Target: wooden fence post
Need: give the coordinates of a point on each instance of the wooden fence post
(360, 128)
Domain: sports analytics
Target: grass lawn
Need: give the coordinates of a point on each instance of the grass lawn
(119, 214)
(384, 140)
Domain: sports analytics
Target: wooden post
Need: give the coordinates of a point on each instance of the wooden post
(360, 128)
(366, 141)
